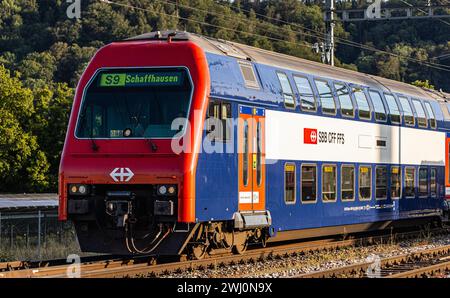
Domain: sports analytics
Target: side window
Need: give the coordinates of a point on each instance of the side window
(307, 100)
(249, 75)
(396, 182)
(362, 103)
(410, 177)
(259, 153)
(433, 184)
(326, 97)
(365, 183)
(347, 183)
(430, 114)
(288, 95)
(423, 182)
(380, 112)
(289, 183)
(421, 117)
(218, 125)
(407, 111)
(343, 94)
(309, 183)
(329, 183)
(394, 112)
(381, 182)
(245, 154)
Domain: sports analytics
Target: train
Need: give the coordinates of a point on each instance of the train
(181, 144)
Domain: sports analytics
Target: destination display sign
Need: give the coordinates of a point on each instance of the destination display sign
(141, 79)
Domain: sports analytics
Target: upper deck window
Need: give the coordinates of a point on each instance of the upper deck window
(380, 111)
(363, 104)
(394, 112)
(135, 103)
(326, 97)
(249, 75)
(307, 100)
(288, 95)
(407, 111)
(421, 117)
(343, 94)
(430, 114)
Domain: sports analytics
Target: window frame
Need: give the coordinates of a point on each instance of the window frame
(225, 137)
(414, 100)
(332, 96)
(427, 179)
(295, 183)
(255, 86)
(414, 182)
(403, 111)
(359, 184)
(401, 182)
(339, 100)
(369, 91)
(354, 182)
(300, 95)
(301, 183)
(245, 141)
(434, 169)
(430, 119)
(400, 112)
(376, 184)
(335, 183)
(357, 106)
(278, 73)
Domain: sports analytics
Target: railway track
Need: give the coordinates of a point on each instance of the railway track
(433, 262)
(148, 266)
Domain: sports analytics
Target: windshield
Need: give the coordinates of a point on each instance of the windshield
(135, 103)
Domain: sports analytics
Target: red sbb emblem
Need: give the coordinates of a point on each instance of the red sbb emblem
(310, 136)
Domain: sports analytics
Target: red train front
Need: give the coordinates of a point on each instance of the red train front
(121, 182)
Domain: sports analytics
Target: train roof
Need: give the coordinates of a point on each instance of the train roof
(257, 55)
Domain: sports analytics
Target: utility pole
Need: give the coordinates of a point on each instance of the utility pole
(329, 36)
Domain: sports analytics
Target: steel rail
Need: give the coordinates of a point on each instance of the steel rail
(397, 266)
(147, 266)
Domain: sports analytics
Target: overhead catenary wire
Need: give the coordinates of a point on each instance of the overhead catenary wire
(338, 39)
(342, 41)
(204, 23)
(421, 10)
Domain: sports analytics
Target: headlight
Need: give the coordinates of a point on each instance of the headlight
(78, 189)
(162, 190)
(167, 190)
(171, 190)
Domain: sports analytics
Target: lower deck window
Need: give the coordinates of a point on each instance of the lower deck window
(347, 183)
(365, 183)
(433, 184)
(396, 182)
(423, 182)
(329, 183)
(410, 175)
(380, 182)
(308, 184)
(289, 183)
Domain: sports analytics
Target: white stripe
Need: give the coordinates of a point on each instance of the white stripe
(284, 140)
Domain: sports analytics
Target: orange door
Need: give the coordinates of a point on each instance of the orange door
(447, 168)
(251, 158)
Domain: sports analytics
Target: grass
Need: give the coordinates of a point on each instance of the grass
(54, 247)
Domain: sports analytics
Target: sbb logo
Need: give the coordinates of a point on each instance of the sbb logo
(310, 136)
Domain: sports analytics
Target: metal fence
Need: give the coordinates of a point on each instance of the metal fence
(26, 234)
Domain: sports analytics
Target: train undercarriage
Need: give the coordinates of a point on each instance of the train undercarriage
(143, 220)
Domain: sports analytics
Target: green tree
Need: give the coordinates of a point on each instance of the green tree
(23, 166)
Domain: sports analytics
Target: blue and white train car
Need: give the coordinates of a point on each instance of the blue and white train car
(321, 150)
